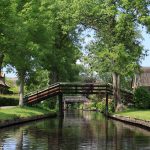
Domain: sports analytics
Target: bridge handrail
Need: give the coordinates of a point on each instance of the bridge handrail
(63, 83)
(74, 84)
(42, 89)
(121, 89)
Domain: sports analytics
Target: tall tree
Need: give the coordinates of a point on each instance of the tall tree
(7, 21)
(55, 34)
(21, 53)
(64, 52)
(117, 49)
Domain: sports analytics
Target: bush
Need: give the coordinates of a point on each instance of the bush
(101, 106)
(48, 104)
(142, 98)
(8, 101)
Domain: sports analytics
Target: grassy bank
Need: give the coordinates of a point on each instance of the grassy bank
(25, 112)
(139, 114)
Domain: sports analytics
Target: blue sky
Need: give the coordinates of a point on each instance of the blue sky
(146, 43)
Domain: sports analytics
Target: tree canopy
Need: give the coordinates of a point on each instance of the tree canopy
(45, 36)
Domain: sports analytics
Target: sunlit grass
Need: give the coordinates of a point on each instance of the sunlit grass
(13, 96)
(24, 112)
(139, 114)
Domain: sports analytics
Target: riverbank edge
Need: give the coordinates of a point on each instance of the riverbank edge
(129, 120)
(132, 121)
(16, 121)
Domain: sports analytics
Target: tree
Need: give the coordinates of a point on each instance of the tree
(54, 32)
(21, 52)
(63, 55)
(7, 22)
(117, 49)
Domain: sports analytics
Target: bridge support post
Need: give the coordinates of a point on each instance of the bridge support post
(60, 111)
(106, 109)
(64, 105)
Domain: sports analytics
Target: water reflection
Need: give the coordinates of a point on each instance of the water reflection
(76, 131)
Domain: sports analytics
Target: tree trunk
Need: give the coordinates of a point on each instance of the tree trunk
(53, 77)
(116, 90)
(21, 92)
(1, 62)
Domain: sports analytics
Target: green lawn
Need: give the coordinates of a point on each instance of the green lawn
(18, 112)
(139, 114)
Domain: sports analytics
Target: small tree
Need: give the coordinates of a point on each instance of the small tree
(142, 98)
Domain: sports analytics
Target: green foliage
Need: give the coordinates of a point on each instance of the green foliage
(89, 106)
(101, 106)
(117, 48)
(49, 104)
(37, 81)
(12, 83)
(142, 98)
(9, 100)
(43, 34)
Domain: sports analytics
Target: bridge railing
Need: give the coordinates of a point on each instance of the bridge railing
(72, 88)
(51, 90)
(75, 88)
(42, 89)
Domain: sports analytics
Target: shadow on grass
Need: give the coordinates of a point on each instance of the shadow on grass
(5, 116)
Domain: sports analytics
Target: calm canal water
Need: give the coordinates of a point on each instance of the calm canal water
(77, 131)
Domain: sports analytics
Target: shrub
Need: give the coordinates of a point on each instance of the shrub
(142, 98)
(8, 101)
(101, 106)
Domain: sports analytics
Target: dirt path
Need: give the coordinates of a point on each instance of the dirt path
(6, 107)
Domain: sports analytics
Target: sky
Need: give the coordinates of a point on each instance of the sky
(87, 39)
(146, 44)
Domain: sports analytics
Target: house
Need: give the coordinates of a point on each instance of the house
(3, 86)
(142, 79)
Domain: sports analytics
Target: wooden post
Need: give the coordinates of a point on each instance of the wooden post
(106, 109)
(78, 105)
(64, 105)
(60, 99)
(67, 106)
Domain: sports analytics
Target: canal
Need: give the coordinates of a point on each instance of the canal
(80, 130)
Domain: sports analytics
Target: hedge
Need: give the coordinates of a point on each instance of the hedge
(8, 101)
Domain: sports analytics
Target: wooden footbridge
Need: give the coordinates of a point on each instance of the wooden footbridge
(60, 89)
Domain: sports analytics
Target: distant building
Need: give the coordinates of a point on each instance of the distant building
(142, 79)
(3, 86)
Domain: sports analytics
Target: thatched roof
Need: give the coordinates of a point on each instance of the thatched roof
(2, 82)
(144, 77)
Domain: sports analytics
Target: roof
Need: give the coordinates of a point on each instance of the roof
(2, 83)
(144, 77)
(145, 69)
